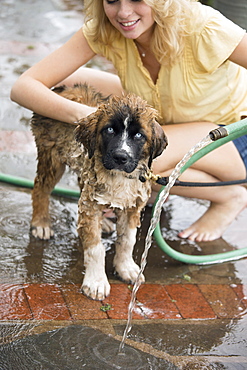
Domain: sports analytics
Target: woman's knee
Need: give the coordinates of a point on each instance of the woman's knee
(222, 163)
(181, 138)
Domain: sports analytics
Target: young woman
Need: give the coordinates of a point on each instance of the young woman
(186, 60)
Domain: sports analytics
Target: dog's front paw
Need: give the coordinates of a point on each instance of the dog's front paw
(97, 289)
(44, 232)
(128, 271)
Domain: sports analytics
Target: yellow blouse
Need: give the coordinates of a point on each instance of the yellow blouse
(202, 85)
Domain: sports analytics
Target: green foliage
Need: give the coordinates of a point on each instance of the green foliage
(106, 307)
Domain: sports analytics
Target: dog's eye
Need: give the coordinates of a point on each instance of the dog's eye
(110, 130)
(138, 135)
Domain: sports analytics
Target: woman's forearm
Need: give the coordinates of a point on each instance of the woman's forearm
(33, 95)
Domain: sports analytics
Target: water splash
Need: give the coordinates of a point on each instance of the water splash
(154, 221)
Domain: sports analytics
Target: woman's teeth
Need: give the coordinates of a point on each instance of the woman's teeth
(128, 24)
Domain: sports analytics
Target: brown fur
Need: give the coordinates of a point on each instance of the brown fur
(60, 144)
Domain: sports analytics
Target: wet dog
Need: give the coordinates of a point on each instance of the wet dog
(110, 150)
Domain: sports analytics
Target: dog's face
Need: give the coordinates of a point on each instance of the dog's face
(122, 141)
(124, 131)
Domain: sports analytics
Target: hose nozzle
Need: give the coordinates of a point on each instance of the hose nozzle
(218, 133)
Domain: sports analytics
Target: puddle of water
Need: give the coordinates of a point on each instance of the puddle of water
(75, 347)
(182, 338)
(25, 259)
(129, 358)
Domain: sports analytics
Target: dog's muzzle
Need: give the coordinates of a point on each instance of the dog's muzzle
(119, 160)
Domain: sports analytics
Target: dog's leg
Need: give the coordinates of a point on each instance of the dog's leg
(49, 172)
(123, 261)
(95, 284)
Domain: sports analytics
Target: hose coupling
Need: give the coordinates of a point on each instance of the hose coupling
(218, 133)
(149, 176)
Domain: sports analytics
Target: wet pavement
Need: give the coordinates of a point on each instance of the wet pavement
(186, 316)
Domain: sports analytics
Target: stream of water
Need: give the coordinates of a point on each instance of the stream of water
(154, 221)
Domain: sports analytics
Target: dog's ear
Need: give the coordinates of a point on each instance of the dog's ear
(159, 142)
(86, 132)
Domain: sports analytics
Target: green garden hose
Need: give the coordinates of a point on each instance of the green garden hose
(20, 181)
(234, 131)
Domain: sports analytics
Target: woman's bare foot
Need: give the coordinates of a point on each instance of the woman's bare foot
(216, 219)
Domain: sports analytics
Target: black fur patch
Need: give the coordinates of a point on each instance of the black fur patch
(122, 141)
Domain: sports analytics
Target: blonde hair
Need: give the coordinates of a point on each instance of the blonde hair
(170, 26)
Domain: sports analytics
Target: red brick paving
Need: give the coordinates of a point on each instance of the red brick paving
(14, 303)
(46, 302)
(223, 300)
(239, 290)
(154, 301)
(190, 301)
(164, 307)
(81, 307)
(119, 300)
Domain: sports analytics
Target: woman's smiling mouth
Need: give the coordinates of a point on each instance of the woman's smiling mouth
(129, 24)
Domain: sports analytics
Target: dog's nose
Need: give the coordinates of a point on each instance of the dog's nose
(120, 157)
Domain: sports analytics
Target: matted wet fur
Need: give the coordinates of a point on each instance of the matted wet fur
(110, 150)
